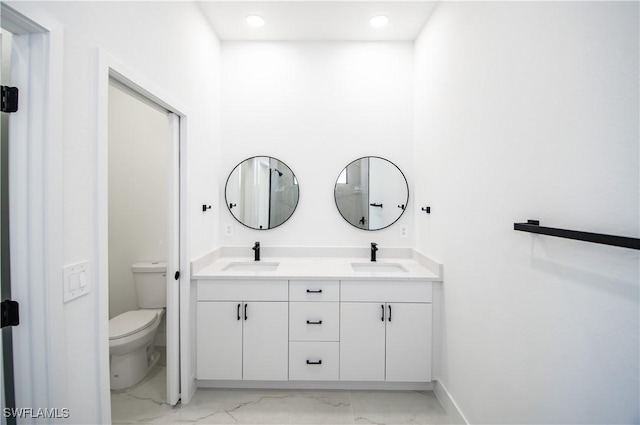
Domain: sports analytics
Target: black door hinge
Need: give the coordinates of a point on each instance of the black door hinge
(9, 99)
(9, 313)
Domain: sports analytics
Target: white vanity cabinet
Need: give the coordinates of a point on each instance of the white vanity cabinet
(242, 330)
(308, 329)
(385, 331)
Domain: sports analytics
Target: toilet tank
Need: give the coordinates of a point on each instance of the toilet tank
(150, 281)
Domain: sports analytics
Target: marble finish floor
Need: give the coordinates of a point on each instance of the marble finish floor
(145, 403)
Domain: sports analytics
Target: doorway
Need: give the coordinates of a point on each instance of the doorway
(140, 137)
(143, 213)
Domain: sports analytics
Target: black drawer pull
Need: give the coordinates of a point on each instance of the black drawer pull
(310, 362)
(309, 322)
(389, 312)
(314, 291)
(245, 312)
(239, 305)
(382, 317)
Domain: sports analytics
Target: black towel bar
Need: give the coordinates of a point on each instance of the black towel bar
(533, 226)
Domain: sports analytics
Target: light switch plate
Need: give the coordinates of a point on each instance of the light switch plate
(404, 231)
(76, 280)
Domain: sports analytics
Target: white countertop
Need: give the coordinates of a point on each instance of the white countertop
(338, 268)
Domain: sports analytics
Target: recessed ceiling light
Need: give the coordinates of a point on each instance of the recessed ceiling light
(255, 21)
(379, 21)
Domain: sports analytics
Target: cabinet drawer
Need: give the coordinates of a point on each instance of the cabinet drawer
(314, 321)
(385, 291)
(314, 290)
(243, 290)
(314, 361)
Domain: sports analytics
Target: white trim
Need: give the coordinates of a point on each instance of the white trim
(36, 227)
(101, 253)
(449, 404)
(320, 385)
(18, 23)
(111, 68)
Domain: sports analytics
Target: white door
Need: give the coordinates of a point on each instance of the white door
(408, 342)
(266, 341)
(362, 341)
(219, 340)
(173, 262)
(144, 208)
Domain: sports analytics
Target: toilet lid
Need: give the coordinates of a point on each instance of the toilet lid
(131, 322)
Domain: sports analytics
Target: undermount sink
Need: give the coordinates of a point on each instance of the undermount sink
(378, 267)
(250, 266)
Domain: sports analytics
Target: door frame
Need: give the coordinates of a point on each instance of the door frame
(110, 68)
(36, 208)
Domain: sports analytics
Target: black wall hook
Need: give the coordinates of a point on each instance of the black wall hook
(206, 207)
(426, 209)
(232, 205)
(402, 207)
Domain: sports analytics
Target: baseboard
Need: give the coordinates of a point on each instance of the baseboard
(318, 385)
(449, 404)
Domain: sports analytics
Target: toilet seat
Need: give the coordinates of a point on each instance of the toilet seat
(131, 322)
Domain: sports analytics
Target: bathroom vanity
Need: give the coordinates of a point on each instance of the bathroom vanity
(324, 322)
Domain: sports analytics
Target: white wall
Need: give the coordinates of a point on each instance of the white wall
(139, 140)
(530, 110)
(316, 106)
(172, 46)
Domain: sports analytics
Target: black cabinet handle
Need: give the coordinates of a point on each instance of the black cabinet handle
(314, 291)
(309, 322)
(389, 312)
(382, 317)
(310, 362)
(239, 305)
(245, 311)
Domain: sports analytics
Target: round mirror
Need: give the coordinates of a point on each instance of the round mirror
(371, 193)
(262, 192)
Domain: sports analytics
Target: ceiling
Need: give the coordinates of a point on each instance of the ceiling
(317, 20)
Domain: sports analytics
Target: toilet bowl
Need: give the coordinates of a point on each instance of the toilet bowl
(133, 353)
(131, 334)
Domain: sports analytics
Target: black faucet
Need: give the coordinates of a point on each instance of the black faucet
(256, 249)
(374, 248)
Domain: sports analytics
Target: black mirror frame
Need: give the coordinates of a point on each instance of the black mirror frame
(227, 203)
(403, 209)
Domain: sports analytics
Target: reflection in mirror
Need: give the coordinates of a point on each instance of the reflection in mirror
(371, 193)
(262, 192)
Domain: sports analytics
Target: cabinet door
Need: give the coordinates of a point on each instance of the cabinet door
(219, 341)
(408, 342)
(362, 341)
(266, 341)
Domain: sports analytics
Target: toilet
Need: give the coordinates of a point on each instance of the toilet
(131, 334)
